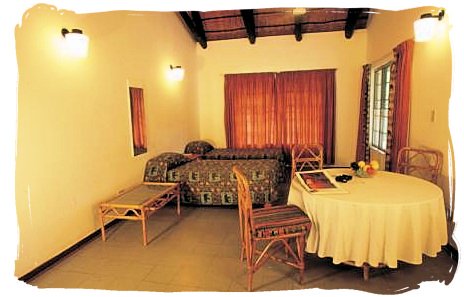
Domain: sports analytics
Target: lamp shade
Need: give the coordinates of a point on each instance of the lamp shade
(425, 29)
(176, 73)
(76, 43)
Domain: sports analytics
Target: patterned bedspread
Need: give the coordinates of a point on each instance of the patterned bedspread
(212, 182)
(249, 154)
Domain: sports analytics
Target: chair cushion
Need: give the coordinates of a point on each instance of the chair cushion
(279, 220)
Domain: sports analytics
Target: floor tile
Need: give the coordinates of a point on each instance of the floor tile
(200, 251)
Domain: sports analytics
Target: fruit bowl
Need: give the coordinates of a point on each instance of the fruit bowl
(363, 174)
(365, 169)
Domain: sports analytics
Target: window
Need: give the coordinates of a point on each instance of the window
(380, 104)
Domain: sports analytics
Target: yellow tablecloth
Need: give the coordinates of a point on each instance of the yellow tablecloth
(380, 220)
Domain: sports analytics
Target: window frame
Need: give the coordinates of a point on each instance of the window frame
(380, 97)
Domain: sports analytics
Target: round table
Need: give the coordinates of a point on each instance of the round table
(379, 220)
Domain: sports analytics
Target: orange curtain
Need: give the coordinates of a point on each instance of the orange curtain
(138, 120)
(250, 110)
(400, 89)
(268, 110)
(306, 108)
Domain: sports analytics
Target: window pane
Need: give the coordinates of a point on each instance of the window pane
(378, 93)
(384, 125)
(383, 141)
(377, 77)
(384, 104)
(375, 126)
(384, 112)
(375, 122)
(375, 139)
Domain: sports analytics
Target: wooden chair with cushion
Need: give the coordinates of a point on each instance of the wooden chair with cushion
(423, 163)
(266, 231)
(306, 157)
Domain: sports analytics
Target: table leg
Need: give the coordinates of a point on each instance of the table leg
(366, 271)
(102, 220)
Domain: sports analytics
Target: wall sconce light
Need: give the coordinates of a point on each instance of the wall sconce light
(176, 73)
(425, 28)
(76, 42)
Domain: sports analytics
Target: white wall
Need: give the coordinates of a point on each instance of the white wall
(74, 145)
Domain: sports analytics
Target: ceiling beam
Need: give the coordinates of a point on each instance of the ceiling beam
(249, 21)
(297, 29)
(199, 28)
(195, 26)
(351, 20)
(189, 23)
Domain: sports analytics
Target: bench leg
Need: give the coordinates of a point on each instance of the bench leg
(144, 227)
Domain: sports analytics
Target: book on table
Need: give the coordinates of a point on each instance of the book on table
(319, 182)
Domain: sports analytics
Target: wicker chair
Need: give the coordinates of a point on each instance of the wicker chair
(423, 163)
(266, 231)
(306, 157)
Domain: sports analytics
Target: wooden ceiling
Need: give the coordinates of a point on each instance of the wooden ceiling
(207, 26)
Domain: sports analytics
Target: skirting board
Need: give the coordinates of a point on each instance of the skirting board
(29, 276)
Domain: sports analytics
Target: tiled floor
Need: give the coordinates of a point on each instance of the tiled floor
(199, 251)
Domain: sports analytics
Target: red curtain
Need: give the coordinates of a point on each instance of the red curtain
(250, 110)
(306, 108)
(267, 109)
(400, 89)
(138, 120)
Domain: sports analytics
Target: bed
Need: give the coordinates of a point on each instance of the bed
(212, 182)
(208, 151)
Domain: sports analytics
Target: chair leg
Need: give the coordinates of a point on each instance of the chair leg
(250, 264)
(286, 250)
(300, 250)
(250, 280)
